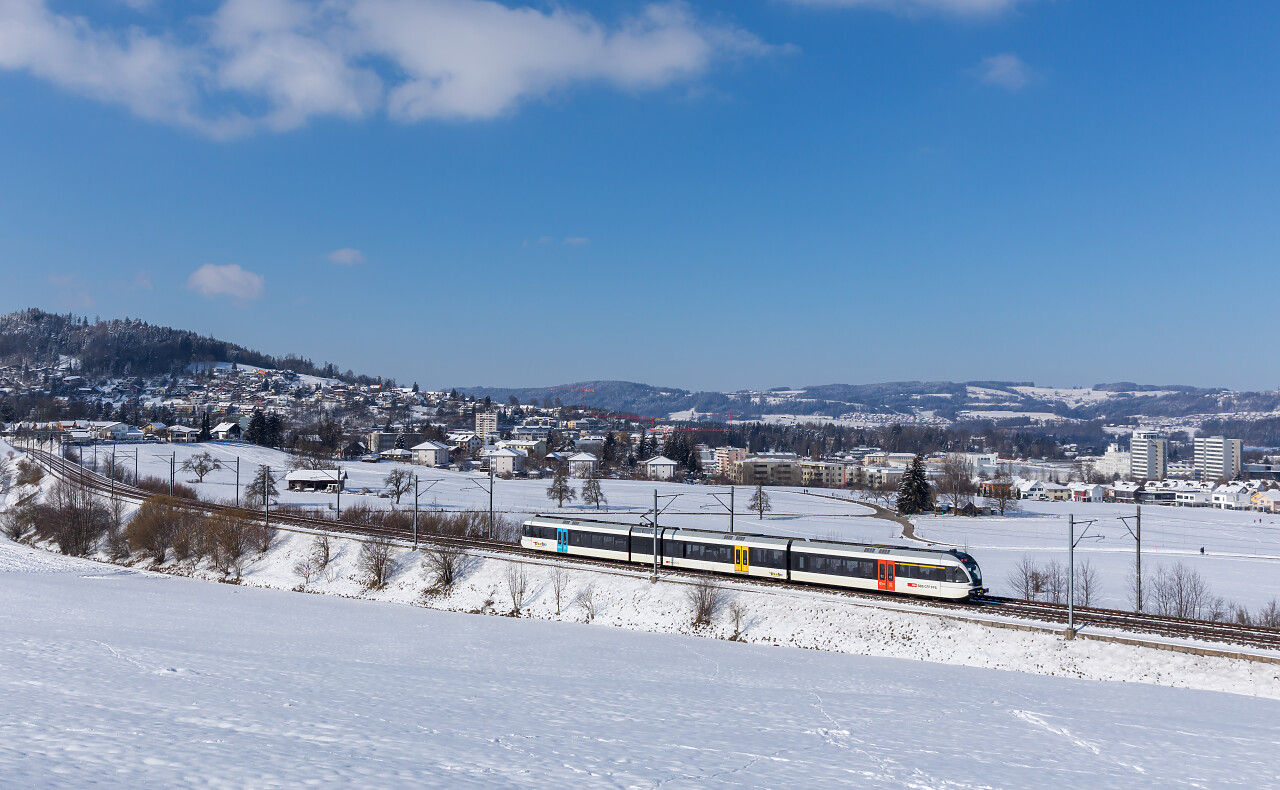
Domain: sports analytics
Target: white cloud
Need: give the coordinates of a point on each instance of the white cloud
(1006, 71)
(576, 241)
(230, 280)
(274, 64)
(347, 256)
(956, 7)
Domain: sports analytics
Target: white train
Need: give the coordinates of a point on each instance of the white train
(862, 566)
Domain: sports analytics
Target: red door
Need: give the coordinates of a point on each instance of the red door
(885, 580)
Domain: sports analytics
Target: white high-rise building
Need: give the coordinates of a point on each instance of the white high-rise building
(1113, 463)
(486, 425)
(1217, 457)
(1147, 453)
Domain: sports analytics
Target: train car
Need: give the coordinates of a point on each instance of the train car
(726, 552)
(900, 569)
(577, 537)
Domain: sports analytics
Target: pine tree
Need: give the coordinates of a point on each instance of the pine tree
(205, 433)
(262, 486)
(914, 494)
(256, 433)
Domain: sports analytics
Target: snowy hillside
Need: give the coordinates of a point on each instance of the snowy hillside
(119, 678)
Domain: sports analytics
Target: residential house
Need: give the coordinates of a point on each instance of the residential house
(182, 434)
(507, 461)
(316, 480)
(660, 468)
(1086, 492)
(226, 432)
(431, 454)
(582, 465)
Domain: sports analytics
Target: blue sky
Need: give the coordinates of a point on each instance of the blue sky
(709, 195)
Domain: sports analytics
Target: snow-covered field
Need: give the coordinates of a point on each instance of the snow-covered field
(1242, 549)
(1241, 561)
(117, 678)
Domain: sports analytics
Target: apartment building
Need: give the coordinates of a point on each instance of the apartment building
(1217, 457)
(487, 425)
(1147, 455)
(769, 470)
(726, 457)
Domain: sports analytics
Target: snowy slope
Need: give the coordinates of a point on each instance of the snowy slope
(124, 679)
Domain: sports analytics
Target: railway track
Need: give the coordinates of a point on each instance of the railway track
(1174, 627)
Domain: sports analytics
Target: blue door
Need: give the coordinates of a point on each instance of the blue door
(562, 540)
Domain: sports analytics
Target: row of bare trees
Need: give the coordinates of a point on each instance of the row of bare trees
(1032, 581)
(165, 526)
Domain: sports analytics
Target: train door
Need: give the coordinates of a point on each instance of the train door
(562, 540)
(884, 581)
(741, 559)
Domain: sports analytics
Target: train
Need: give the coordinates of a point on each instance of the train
(926, 573)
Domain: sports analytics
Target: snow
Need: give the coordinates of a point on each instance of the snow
(120, 678)
(1241, 560)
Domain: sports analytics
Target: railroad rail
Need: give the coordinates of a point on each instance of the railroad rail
(1139, 622)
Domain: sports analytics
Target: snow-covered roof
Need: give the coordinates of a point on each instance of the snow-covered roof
(582, 457)
(395, 453)
(508, 452)
(183, 429)
(226, 426)
(430, 445)
(315, 475)
(659, 460)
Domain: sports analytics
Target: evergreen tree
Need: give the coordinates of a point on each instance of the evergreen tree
(262, 486)
(205, 433)
(257, 430)
(914, 494)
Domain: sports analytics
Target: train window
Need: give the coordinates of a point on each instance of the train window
(800, 561)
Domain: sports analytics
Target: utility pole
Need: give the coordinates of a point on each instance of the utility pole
(1071, 576)
(729, 507)
(653, 579)
(1136, 533)
(1071, 569)
(489, 491)
(415, 511)
(173, 459)
(237, 481)
(340, 493)
(266, 498)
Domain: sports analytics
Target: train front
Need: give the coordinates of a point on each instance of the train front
(974, 572)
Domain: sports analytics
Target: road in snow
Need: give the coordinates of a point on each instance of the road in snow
(114, 678)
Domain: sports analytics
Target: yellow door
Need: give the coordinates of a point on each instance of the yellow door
(741, 559)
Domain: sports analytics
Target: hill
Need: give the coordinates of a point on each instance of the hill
(126, 347)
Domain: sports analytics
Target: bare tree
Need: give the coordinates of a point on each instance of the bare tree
(18, 521)
(706, 599)
(71, 516)
(517, 579)
(1088, 583)
(1054, 578)
(1024, 578)
(956, 481)
(738, 614)
(305, 569)
(760, 502)
(443, 565)
(560, 490)
(591, 493)
(398, 483)
(201, 465)
(6, 472)
(1001, 491)
(264, 534)
(1269, 615)
(228, 534)
(1179, 591)
(559, 579)
(322, 550)
(376, 562)
(586, 600)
